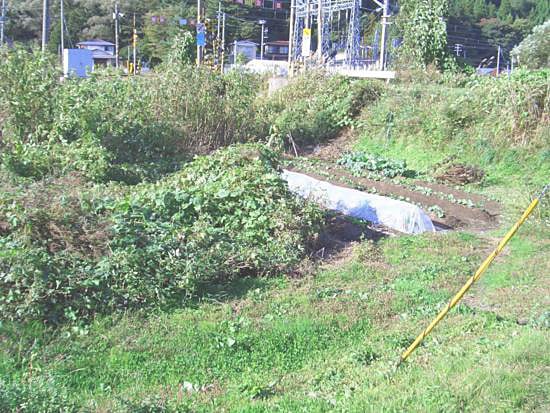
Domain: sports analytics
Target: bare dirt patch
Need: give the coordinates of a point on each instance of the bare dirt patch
(333, 149)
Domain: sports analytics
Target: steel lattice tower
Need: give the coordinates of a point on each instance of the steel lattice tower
(306, 14)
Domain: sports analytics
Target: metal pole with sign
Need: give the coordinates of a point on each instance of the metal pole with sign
(262, 23)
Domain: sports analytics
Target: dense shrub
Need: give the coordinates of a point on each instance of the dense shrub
(111, 127)
(534, 51)
(69, 254)
(314, 106)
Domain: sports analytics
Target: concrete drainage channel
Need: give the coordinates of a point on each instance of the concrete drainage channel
(380, 210)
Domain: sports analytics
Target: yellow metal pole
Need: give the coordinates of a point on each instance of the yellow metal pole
(482, 268)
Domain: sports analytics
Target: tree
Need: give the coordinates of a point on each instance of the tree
(424, 32)
(183, 49)
(505, 10)
(479, 9)
(534, 51)
(541, 12)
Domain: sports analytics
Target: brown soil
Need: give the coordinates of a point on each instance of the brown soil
(4, 228)
(333, 149)
(460, 174)
(340, 233)
(492, 207)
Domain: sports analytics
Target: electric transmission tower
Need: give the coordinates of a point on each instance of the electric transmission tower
(337, 23)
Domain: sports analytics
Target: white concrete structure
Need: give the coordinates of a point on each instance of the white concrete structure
(244, 47)
(274, 67)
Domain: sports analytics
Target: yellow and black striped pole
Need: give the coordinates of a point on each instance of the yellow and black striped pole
(482, 268)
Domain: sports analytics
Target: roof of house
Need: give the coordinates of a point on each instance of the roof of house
(246, 43)
(278, 43)
(95, 42)
(100, 54)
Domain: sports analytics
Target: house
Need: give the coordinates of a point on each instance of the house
(103, 52)
(276, 50)
(245, 48)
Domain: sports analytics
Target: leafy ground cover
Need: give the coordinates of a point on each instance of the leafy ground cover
(222, 216)
(360, 162)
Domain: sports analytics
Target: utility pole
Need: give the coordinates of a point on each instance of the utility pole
(262, 22)
(62, 17)
(2, 22)
(45, 23)
(199, 16)
(218, 32)
(134, 41)
(219, 20)
(223, 43)
(306, 47)
(458, 49)
(385, 15)
(320, 32)
(116, 17)
(291, 35)
(498, 61)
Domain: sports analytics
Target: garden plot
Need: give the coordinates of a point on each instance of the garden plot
(398, 215)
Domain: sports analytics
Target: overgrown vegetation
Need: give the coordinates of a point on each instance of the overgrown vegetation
(110, 127)
(534, 51)
(423, 29)
(499, 124)
(313, 108)
(208, 246)
(66, 256)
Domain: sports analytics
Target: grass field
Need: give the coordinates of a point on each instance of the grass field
(325, 342)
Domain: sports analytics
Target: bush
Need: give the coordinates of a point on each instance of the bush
(110, 127)
(534, 51)
(314, 106)
(65, 255)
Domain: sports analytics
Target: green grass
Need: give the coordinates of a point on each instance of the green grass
(432, 122)
(322, 343)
